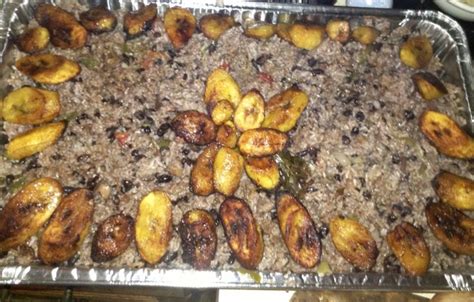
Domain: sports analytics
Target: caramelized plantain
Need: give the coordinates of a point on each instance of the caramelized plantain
(409, 246)
(153, 226)
(365, 34)
(220, 86)
(202, 174)
(33, 39)
(306, 36)
(112, 238)
(354, 242)
(262, 142)
(34, 140)
(31, 106)
(457, 191)
(198, 238)
(63, 27)
(283, 31)
(67, 228)
(244, 236)
(221, 111)
(446, 135)
(228, 168)
(180, 25)
(428, 85)
(283, 110)
(98, 20)
(48, 68)
(263, 172)
(260, 31)
(137, 22)
(338, 30)
(227, 135)
(214, 25)
(26, 212)
(452, 227)
(194, 127)
(249, 114)
(298, 231)
(416, 52)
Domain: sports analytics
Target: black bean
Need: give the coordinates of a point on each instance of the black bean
(126, 185)
(140, 115)
(346, 140)
(391, 218)
(81, 117)
(429, 199)
(311, 151)
(390, 264)
(72, 261)
(137, 155)
(347, 112)
(185, 151)
(367, 195)
(92, 182)
(3, 139)
(273, 214)
(413, 158)
(360, 116)
(382, 104)
(323, 230)
(163, 129)
(409, 115)
(81, 179)
(450, 253)
(56, 156)
(9, 179)
(163, 178)
(3, 254)
(187, 161)
(312, 62)
(215, 216)
(170, 257)
(97, 113)
(127, 59)
(83, 158)
(396, 159)
(145, 129)
(317, 71)
(182, 199)
(33, 164)
(404, 210)
(158, 62)
(377, 46)
(212, 47)
(355, 131)
(110, 131)
(231, 259)
(185, 77)
(262, 59)
(337, 177)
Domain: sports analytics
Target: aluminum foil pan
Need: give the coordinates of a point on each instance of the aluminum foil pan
(450, 46)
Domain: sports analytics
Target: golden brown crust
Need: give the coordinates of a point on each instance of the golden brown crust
(194, 127)
(416, 52)
(214, 25)
(228, 169)
(455, 190)
(428, 85)
(98, 20)
(262, 142)
(202, 174)
(33, 39)
(180, 25)
(138, 22)
(48, 68)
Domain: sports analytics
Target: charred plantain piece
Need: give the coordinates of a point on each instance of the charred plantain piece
(416, 52)
(306, 36)
(227, 135)
(260, 30)
(221, 111)
(263, 171)
(446, 135)
(283, 110)
(428, 85)
(354, 242)
(220, 86)
(98, 20)
(26, 212)
(31, 106)
(338, 30)
(457, 191)
(34, 140)
(202, 174)
(194, 127)
(262, 142)
(33, 39)
(153, 226)
(250, 112)
(137, 22)
(452, 227)
(298, 231)
(409, 246)
(48, 68)
(283, 31)
(112, 238)
(67, 228)
(365, 34)
(180, 25)
(198, 238)
(228, 169)
(214, 25)
(244, 236)
(63, 27)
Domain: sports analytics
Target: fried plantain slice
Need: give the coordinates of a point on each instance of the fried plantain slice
(409, 246)
(416, 52)
(338, 30)
(452, 227)
(262, 142)
(202, 174)
(67, 228)
(65, 31)
(34, 140)
(283, 110)
(455, 190)
(260, 30)
(48, 68)
(228, 169)
(138, 22)
(214, 25)
(33, 39)
(446, 135)
(244, 236)
(250, 112)
(26, 212)
(227, 135)
(354, 242)
(153, 226)
(428, 85)
(194, 127)
(283, 31)
(221, 111)
(180, 25)
(220, 86)
(31, 106)
(112, 238)
(298, 231)
(306, 36)
(98, 20)
(263, 171)
(365, 34)
(198, 238)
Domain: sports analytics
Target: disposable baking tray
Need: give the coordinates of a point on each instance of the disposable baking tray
(450, 46)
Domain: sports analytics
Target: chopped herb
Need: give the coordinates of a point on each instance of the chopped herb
(68, 116)
(17, 184)
(252, 274)
(323, 268)
(89, 62)
(295, 173)
(163, 143)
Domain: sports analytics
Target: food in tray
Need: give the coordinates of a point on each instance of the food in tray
(416, 52)
(260, 30)
(202, 174)
(180, 25)
(455, 190)
(228, 169)
(33, 40)
(137, 22)
(428, 86)
(262, 142)
(250, 112)
(48, 68)
(221, 86)
(112, 238)
(306, 36)
(98, 20)
(365, 34)
(227, 135)
(338, 30)
(263, 171)
(214, 25)
(194, 127)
